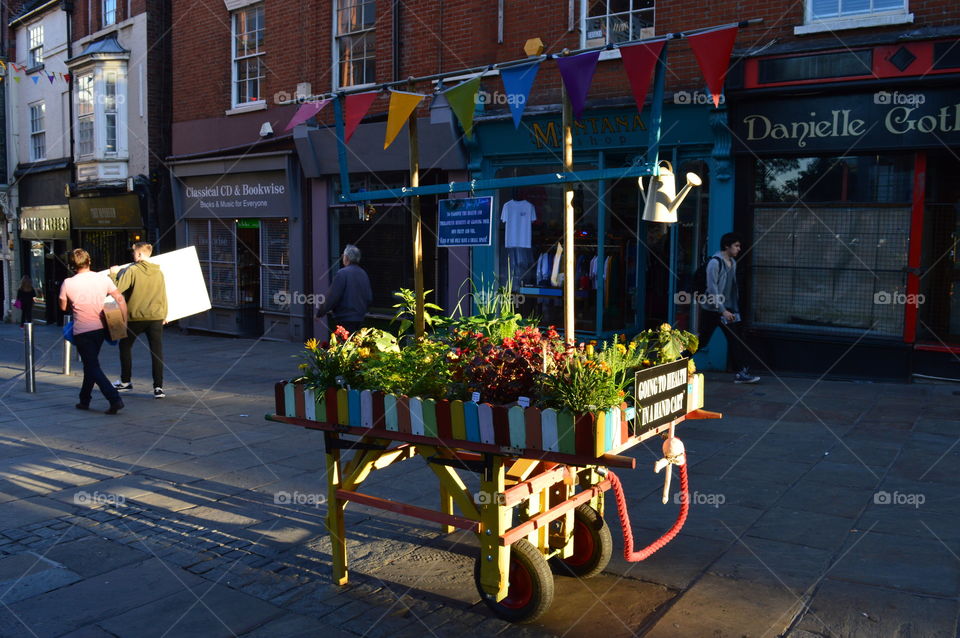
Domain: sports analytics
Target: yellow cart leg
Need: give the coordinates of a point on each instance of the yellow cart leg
(335, 509)
(495, 520)
(446, 506)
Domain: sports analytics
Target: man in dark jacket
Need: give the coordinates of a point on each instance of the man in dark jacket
(350, 295)
(143, 287)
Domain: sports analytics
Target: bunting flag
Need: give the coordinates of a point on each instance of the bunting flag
(639, 61)
(305, 112)
(51, 77)
(463, 100)
(35, 78)
(17, 79)
(577, 73)
(517, 82)
(712, 50)
(3, 65)
(355, 107)
(66, 77)
(402, 104)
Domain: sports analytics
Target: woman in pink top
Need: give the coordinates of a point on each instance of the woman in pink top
(85, 292)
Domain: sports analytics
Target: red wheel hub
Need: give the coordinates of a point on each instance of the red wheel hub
(583, 545)
(520, 591)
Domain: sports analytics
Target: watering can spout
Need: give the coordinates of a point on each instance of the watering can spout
(662, 200)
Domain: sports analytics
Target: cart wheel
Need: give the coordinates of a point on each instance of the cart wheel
(592, 545)
(531, 585)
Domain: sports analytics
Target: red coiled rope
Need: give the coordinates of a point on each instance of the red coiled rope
(655, 546)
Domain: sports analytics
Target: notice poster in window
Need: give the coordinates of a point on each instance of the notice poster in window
(186, 289)
(466, 221)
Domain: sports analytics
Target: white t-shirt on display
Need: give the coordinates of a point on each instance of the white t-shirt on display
(517, 215)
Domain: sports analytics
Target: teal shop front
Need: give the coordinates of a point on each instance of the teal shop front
(628, 271)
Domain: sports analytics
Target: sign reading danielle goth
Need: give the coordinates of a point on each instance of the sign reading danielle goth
(465, 221)
(661, 393)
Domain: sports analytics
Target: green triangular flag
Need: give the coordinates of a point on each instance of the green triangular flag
(463, 100)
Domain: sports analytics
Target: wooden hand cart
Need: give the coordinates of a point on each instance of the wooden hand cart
(537, 504)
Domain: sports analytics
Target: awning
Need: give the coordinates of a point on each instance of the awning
(115, 212)
(440, 149)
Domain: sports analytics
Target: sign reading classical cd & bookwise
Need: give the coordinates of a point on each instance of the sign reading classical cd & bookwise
(239, 194)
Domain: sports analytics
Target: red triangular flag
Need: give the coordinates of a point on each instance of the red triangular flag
(639, 61)
(713, 49)
(356, 106)
(66, 77)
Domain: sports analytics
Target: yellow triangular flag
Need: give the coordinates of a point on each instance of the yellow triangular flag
(402, 104)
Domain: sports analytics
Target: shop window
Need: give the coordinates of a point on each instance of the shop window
(248, 54)
(110, 112)
(613, 21)
(109, 12)
(828, 9)
(355, 41)
(85, 115)
(829, 245)
(36, 45)
(38, 136)
(275, 265)
(216, 252)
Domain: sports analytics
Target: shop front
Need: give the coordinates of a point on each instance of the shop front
(243, 217)
(628, 272)
(382, 230)
(850, 203)
(44, 239)
(106, 227)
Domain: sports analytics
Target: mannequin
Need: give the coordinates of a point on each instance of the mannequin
(518, 215)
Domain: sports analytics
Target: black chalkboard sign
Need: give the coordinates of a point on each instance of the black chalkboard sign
(661, 394)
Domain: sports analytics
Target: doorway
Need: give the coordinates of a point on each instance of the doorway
(248, 276)
(939, 314)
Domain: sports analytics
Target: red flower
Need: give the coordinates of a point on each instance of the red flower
(341, 333)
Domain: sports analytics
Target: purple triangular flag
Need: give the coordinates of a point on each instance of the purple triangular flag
(305, 112)
(577, 73)
(51, 77)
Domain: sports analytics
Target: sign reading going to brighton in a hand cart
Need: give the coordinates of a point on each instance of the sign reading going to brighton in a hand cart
(661, 393)
(465, 221)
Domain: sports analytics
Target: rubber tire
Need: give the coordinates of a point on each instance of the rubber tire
(587, 520)
(525, 557)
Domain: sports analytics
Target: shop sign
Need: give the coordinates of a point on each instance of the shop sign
(248, 223)
(115, 212)
(238, 194)
(45, 222)
(466, 221)
(879, 120)
(661, 394)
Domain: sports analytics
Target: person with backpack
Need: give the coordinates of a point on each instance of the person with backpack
(718, 298)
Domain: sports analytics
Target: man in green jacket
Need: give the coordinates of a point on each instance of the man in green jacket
(143, 287)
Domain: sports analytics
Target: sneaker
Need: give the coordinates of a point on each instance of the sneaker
(115, 407)
(83, 406)
(120, 385)
(158, 393)
(744, 376)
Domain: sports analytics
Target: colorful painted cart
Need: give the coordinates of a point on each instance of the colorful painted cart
(542, 473)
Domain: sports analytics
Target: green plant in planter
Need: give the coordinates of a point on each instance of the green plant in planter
(407, 311)
(495, 313)
(344, 358)
(580, 384)
(420, 369)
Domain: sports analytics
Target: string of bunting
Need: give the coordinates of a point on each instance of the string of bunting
(18, 72)
(712, 49)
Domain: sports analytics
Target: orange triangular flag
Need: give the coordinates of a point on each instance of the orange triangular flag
(402, 104)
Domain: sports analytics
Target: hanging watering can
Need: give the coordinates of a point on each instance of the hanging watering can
(662, 200)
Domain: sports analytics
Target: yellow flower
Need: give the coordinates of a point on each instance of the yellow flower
(665, 327)
(312, 344)
(632, 346)
(364, 352)
(304, 366)
(590, 350)
(621, 348)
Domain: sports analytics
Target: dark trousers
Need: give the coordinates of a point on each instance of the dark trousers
(709, 322)
(88, 347)
(154, 330)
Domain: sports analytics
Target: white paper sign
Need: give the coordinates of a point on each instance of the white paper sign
(186, 289)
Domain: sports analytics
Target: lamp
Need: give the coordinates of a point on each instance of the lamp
(440, 111)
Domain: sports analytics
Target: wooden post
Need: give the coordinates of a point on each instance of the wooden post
(495, 520)
(418, 320)
(568, 224)
(335, 507)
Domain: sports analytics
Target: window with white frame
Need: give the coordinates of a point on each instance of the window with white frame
(819, 10)
(613, 21)
(355, 41)
(248, 53)
(109, 12)
(85, 115)
(38, 136)
(110, 112)
(36, 45)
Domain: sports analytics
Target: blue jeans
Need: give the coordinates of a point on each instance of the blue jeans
(88, 347)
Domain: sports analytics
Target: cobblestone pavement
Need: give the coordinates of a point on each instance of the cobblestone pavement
(819, 509)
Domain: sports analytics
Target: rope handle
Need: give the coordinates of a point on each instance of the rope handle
(635, 556)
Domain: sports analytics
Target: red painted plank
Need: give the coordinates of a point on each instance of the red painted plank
(531, 419)
(409, 510)
(585, 432)
(444, 422)
(379, 422)
(403, 414)
(278, 397)
(501, 426)
(555, 512)
(332, 416)
(299, 402)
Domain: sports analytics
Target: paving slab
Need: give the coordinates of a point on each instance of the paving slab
(760, 560)
(851, 609)
(29, 574)
(30, 510)
(810, 529)
(297, 626)
(92, 555)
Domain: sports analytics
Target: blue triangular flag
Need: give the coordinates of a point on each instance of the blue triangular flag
(35, 78)
(517, 82)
